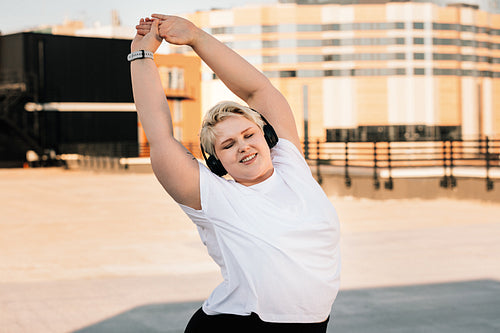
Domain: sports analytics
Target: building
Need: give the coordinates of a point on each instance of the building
(374, 70)
(77, 28)
(181, 79)
(56, 97)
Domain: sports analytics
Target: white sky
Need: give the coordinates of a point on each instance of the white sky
(18, 15)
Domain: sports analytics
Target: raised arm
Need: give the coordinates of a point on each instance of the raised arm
(176, 169)
(238, 75)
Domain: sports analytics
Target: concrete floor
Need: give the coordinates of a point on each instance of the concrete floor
(103, 252)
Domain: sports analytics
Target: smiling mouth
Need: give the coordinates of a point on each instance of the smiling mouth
(248, 158)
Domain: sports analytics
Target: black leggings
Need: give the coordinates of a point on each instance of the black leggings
(201, 322)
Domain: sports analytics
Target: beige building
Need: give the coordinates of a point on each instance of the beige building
(395, 70)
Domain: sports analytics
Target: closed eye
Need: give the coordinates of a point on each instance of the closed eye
(248, 136)
(228, 146)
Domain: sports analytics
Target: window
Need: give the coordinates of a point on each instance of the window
(310, 73)
(177, 110)
(311, 58)
(270, 59)
(469, 28)
(309, 42)
(445, 41)
(418, 40)
(330, 27)
(418, 25)
(445, 56)
(445, 71)
(445, 26)
(222, 30)
(309, 27)
(288, 73)
(419, 56)
(269, 28)
(469, 57)
(171, 77)
(485, 45)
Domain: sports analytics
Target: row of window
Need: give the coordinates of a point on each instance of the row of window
(294, 43)
(459, 42)
(301, 58)
(379, 72)
(286, 28)
(394, 133)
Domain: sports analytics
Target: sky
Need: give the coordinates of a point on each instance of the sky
(19, 15)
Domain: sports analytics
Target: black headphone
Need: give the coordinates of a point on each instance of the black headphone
(216, 166)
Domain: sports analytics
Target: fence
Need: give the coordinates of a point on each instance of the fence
(481, 155)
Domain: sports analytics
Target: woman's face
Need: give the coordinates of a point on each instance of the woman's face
(241, 147)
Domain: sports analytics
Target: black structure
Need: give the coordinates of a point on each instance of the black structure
(42, 69)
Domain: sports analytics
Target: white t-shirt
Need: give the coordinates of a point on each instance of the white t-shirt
(276, 242)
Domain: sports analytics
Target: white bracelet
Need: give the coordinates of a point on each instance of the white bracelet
(140, 55)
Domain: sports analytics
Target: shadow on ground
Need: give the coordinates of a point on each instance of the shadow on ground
(470, 306)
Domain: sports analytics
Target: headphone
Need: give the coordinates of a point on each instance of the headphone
(216, 166)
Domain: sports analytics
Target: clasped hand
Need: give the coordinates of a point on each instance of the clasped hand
(172, 29)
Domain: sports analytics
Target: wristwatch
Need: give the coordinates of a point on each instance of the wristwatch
(141, 54)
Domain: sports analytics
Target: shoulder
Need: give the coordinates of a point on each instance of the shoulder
(286, 149)
(285, 153)
(215, 189)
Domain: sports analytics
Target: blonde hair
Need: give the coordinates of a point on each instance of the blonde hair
(218, 113)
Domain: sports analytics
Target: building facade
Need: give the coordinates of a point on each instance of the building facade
(181, 80)
(379, 70)
(50, 99)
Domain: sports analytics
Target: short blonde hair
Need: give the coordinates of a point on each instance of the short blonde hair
(218, 113)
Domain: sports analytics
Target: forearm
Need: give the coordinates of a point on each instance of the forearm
(150, 100)
(243, 79)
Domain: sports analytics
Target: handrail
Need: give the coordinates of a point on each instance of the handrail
(377, 155)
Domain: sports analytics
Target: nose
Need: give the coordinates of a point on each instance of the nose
(243, 146)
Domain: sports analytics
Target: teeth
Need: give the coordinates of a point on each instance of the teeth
(248, 158)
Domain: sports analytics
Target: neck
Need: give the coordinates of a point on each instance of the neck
(259, 179)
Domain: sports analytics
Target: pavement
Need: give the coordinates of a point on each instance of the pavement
(107, 252)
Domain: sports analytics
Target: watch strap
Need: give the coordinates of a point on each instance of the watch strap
(141, 54)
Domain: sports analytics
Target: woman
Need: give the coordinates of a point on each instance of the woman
(270, 228)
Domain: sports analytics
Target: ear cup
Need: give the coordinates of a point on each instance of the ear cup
(215, 165)
(270, 134)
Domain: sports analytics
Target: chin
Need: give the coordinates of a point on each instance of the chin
(254, 178)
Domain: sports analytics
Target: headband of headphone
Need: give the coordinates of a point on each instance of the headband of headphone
(216, 166)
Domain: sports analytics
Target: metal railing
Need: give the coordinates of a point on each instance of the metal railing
(481, 154)
(373, 157)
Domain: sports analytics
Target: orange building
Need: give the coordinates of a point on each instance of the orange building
(379, 70)
(181, 79)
